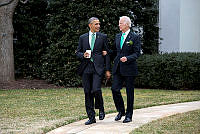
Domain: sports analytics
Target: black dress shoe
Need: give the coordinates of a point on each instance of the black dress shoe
(90, 121)
(127, 119)
(101, 115)
(119, 116)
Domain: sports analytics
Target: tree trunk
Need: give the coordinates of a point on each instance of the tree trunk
(6, 41)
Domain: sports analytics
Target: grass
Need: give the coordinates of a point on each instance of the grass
(185, 123)
(39, 111)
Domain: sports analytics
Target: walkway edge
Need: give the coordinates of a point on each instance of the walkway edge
(140, 117)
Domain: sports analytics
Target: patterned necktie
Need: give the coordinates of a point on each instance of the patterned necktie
(92, 44)
(92, 41)
(122, 40)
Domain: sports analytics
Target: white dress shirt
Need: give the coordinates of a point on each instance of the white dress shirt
(126, 33)
(90, 37)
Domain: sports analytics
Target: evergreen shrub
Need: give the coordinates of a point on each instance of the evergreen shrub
(30, 37)
(169, 71)
(47, 33)
(67, 20)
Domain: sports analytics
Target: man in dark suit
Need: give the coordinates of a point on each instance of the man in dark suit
(124, 69)
(92, 67)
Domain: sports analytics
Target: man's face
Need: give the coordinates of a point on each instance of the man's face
(122, 25)
(94, 26)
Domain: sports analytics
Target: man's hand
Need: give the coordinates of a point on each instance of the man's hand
(86, 55)
(104, 53)
(123, 59)
(108, 74)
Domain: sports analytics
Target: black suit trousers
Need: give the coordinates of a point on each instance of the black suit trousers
(118, 81)
(92, 89)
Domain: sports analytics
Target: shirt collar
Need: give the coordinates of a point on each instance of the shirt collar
(90, 33)
(127, 32)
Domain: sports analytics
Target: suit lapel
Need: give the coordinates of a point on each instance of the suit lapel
(127, 39)
(118, 41)
(87, 41)
(96, 40)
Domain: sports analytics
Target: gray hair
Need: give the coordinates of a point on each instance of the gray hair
(92, 19)
(127, 20)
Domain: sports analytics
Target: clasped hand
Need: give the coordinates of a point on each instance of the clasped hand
(123, 59)
(86, 54)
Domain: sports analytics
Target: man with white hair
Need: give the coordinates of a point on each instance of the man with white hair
(124, 69)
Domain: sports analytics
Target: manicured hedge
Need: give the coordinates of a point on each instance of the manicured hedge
(47, 33)
(30, 37)
(169, 71)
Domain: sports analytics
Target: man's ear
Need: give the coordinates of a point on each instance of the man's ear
(89, 25)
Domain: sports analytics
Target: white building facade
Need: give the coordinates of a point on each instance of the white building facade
(179, 22)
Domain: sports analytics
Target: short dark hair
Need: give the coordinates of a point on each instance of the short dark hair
(92, 19)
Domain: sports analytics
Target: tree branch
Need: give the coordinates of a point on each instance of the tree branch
(24, 1)
(4, 4)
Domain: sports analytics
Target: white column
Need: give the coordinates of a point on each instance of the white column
(179, 22)
(169, 20)
(190, 26)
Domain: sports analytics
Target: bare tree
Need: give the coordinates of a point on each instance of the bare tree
(7, 8)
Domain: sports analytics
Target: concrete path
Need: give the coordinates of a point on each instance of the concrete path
(140, 117)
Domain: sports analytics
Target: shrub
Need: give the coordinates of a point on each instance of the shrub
(67, 20)
(30, 34)
(47, 33)
(169, 71)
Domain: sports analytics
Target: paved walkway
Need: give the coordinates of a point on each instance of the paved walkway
(140, 117)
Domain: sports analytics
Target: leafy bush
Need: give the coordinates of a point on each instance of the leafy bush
(30, 37)
(169, 71)
(47, 33)
(68, 20)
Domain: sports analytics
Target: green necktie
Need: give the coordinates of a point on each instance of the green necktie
(92, 41)
(92, 44)
(122, 40)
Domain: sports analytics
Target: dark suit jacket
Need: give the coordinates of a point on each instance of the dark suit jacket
(131, 50)
(98, 59)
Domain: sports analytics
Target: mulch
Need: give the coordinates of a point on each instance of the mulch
(27, 84)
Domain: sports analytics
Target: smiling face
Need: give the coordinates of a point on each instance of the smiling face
(94, 26)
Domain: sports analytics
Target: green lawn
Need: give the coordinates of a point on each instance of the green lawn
(185, 123)
(39, 111)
